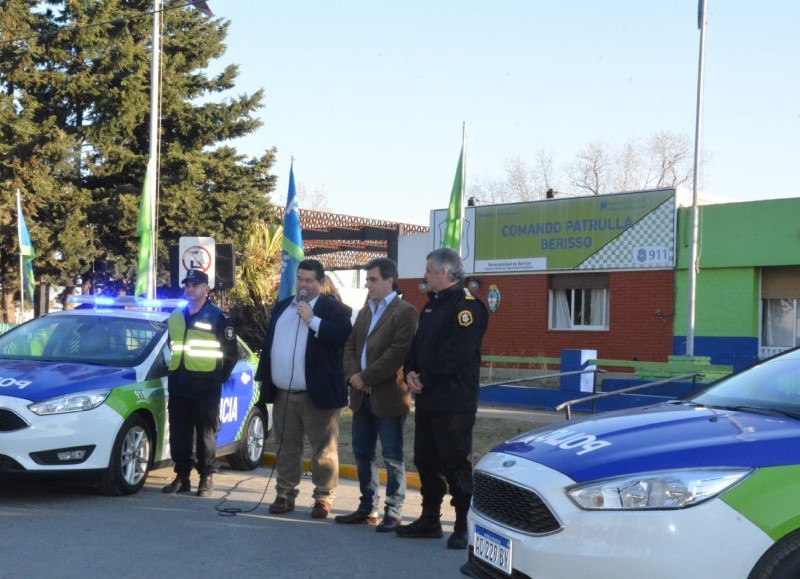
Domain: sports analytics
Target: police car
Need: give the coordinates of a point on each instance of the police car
(703, 487)
(84, 392)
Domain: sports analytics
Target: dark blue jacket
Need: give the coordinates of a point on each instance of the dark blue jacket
(324, 354)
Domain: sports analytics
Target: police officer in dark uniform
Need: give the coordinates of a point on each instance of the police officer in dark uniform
(204, 352)
(443, 371)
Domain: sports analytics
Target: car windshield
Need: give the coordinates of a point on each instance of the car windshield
(773, 385)
(84, 339)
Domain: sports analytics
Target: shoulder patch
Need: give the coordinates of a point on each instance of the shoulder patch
(465, 318)
(229, 333)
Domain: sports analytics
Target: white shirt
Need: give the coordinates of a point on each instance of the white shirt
(288, 352)
(377, 309)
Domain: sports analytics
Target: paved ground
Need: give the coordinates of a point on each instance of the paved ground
(56, 530)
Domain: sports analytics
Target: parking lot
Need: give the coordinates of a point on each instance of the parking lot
(52, 528)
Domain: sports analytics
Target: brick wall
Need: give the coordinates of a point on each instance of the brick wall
(519, 327)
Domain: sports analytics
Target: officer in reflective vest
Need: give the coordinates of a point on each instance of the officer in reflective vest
(204, 353)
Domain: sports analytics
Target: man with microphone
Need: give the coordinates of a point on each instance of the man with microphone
(302, 374)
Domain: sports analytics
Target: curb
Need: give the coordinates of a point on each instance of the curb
(347, 471)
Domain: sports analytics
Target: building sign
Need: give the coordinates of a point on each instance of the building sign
(619, 231)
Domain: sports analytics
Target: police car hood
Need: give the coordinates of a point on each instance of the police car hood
(37, 380)
(660, 437)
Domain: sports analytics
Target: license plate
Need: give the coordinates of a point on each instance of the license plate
(492, 548)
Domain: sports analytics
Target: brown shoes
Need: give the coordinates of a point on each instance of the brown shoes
(282, 505)
(320, 510)
(358, 517)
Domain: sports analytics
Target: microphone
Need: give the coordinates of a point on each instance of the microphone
(302, 295)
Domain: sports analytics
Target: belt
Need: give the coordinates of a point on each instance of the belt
(295, 391)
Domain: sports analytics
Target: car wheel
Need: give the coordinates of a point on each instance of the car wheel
(782, 561)
(251, 446)
(131, 459)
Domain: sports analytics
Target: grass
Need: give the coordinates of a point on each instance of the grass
(488, 433)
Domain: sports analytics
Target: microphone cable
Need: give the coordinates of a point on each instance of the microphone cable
(233, 511)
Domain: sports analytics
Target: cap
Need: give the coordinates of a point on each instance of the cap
(195, 276)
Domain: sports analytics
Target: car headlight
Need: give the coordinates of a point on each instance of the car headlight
(656, 490)
(71, 402)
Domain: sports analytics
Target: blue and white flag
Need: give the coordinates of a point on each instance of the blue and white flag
(292, 249)
(27, 253)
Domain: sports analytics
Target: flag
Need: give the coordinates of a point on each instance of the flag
(455, 212)
(144, 227)
(292, 249)
(27, 253)
(203, 7)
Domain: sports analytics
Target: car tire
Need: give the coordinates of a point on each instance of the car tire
(782, 561)
(251, 446)
(131, 459)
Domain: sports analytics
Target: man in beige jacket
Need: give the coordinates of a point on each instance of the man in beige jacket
(379, 398)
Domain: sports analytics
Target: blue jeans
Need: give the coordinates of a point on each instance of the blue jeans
(366, 429)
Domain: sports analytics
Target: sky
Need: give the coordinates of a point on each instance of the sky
(369, 97)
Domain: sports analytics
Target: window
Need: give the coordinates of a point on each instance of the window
(579, 302)
(780, 308)
(780, 325)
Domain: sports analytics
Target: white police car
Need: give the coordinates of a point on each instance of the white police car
(84, 392)
(698, 488)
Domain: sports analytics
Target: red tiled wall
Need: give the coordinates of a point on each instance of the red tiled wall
(519, 327)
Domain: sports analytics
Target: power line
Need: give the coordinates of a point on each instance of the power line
(119, 20)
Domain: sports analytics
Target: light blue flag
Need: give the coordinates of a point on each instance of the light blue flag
(292, 249)
(26, 250)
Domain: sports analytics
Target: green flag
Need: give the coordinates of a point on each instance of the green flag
(455, 212)
(144, 227)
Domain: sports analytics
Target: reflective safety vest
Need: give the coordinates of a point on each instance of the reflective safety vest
(196, 346)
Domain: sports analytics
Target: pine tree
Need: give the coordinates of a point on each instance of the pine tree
(92, 83)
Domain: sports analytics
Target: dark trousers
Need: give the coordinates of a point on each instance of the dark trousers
(194, 419)
(442, 449)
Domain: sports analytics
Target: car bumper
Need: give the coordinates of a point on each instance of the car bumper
(708, 540)
(32, 448)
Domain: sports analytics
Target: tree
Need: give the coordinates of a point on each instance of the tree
(521, 182)
(317, 200)
(662, 161)
(92, 83)
(33, 155)
(258, 278)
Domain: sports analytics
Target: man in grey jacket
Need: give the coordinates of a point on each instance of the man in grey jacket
(379, 398)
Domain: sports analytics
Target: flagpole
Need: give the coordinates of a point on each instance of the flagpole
(21, 261)
(463, 170)
(693, 260)
(152, 182)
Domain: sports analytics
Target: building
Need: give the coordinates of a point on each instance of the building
(609, 273)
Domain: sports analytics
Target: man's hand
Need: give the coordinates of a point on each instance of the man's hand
(305, 312)
(357, 383)
(413, 382)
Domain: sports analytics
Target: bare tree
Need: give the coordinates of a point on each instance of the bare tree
(521, 182)
(671, 159)
(591, 170)
(316, 200)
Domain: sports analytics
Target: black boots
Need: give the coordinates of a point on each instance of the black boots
(181, 484)
(206, 486)
(459, 540)
(427, 526)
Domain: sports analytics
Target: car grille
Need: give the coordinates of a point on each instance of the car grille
(10, 421)
(512, 506)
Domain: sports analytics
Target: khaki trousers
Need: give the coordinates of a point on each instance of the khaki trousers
(296, 417)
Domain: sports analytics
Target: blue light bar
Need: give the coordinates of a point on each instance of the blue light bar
(128, 302)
